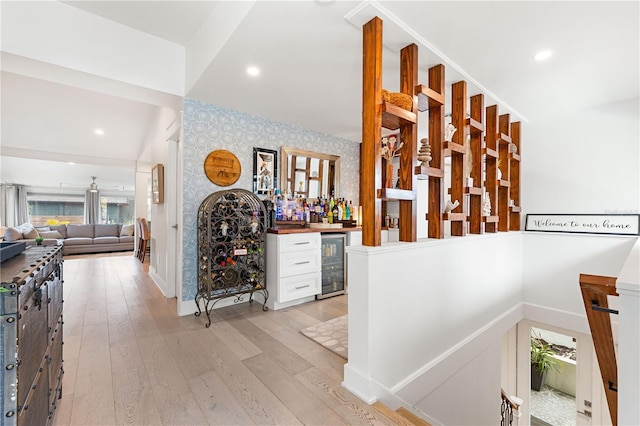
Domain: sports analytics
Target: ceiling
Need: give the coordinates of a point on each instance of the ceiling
(310, 56)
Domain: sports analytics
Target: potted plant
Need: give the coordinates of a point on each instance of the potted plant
(542, 358)
(39, 241)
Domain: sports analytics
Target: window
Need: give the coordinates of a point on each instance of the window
(53, 209)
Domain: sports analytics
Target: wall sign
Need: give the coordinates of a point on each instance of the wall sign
(605, 224)
(222, 167)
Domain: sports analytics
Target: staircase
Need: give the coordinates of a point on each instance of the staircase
(401, 416)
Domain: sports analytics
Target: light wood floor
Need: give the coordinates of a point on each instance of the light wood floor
(129, 359)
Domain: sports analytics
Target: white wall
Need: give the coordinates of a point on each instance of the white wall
(166, 124)
(585, 162)
(419, 312)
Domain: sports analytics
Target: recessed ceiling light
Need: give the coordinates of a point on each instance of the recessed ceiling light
(543, 55)
(253, 71)
(71, 163)
(99, 132)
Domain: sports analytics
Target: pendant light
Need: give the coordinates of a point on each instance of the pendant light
(94, 186)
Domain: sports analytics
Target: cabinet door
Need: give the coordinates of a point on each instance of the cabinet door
(35, 409)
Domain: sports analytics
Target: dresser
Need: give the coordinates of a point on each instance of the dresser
(294, 268)
(31, 336)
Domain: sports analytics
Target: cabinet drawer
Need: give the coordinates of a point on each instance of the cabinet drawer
(301, 262)
(300, 286)
(296, 242)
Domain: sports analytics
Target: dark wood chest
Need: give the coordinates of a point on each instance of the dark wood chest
(31, 336)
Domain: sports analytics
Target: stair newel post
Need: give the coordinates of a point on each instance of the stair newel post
(409, 135)
(371, 173)
(436, 133)
(476, 131)
(458, 119)
(491, 158)
(505, 168)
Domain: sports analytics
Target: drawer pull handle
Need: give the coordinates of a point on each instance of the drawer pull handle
(301, 243)
(302, 286)
(302, 263)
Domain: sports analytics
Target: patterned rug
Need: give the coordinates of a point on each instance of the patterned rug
(331, 334)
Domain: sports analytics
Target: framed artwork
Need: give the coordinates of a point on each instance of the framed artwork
(603, 224)
(265, 171)
(157, 184)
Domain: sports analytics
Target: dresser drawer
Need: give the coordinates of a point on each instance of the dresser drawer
(295, 242)
(300, 262)
(299, 286)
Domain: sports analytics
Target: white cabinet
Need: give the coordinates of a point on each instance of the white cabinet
(293, 268)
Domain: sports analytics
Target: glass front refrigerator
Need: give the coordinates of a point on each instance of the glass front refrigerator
(334, 274)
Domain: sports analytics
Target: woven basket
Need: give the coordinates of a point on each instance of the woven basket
(402, 100)
(386, 96)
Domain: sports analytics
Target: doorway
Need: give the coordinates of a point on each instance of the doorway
(553, 391)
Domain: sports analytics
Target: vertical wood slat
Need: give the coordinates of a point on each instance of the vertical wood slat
(514, 189)
(371, 173)
(436, 131)
(491, 180)
(477, 165)
(505, 168)
(409, 152)
(458, 119)
(596, 288)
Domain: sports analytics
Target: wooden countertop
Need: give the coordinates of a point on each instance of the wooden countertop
(292, 230)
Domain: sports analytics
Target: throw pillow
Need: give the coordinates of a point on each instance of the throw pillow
(30, 234)
(12, 234)
(127, 231)
(51, 234)
(42, 228)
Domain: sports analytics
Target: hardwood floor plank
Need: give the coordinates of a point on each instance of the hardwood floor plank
(258, 401)
(175, 402)
(129, 359)
(285, 357)
(342, 401)
(302, 402)
(287, 331)
(133, 397)
(217, 402)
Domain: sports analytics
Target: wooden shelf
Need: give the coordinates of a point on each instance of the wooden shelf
(474, 126)
(393, 194)
(490, 219)
(394, 117)
(472, 190)
(504, 183)
(455, 217)
(450, 147)
(514, 209)
(502, 138)
(514, 157)
(490, 152)
(428, 97)
(428, 171)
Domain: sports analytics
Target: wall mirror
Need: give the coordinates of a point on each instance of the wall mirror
(309, 174)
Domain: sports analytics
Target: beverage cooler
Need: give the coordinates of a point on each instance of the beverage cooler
(334, 274)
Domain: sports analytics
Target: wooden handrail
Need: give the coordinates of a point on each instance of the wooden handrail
(595, 290)
(509, 401)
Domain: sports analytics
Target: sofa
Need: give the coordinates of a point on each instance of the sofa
(77, 239)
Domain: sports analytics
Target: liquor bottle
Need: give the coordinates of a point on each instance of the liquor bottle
(347, 212)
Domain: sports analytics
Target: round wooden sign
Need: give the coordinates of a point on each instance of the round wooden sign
(222, 167)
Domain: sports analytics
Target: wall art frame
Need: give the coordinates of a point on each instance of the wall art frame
(598, 224)
(157, 184)
(265, 171)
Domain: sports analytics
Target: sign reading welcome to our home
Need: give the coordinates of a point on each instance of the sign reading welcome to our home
(606, 224)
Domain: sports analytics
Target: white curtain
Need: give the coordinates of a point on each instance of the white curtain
(92, 207)
(14, 209)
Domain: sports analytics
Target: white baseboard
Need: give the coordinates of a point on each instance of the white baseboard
(157, 280)
(358, 384)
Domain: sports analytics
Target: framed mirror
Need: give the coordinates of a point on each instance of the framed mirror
(309, 174)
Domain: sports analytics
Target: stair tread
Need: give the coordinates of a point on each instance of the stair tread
(412, 418)
(401, 416)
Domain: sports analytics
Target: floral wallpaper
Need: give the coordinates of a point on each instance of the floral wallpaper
(210, 127)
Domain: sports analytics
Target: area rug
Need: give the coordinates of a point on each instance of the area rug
(331, 334)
